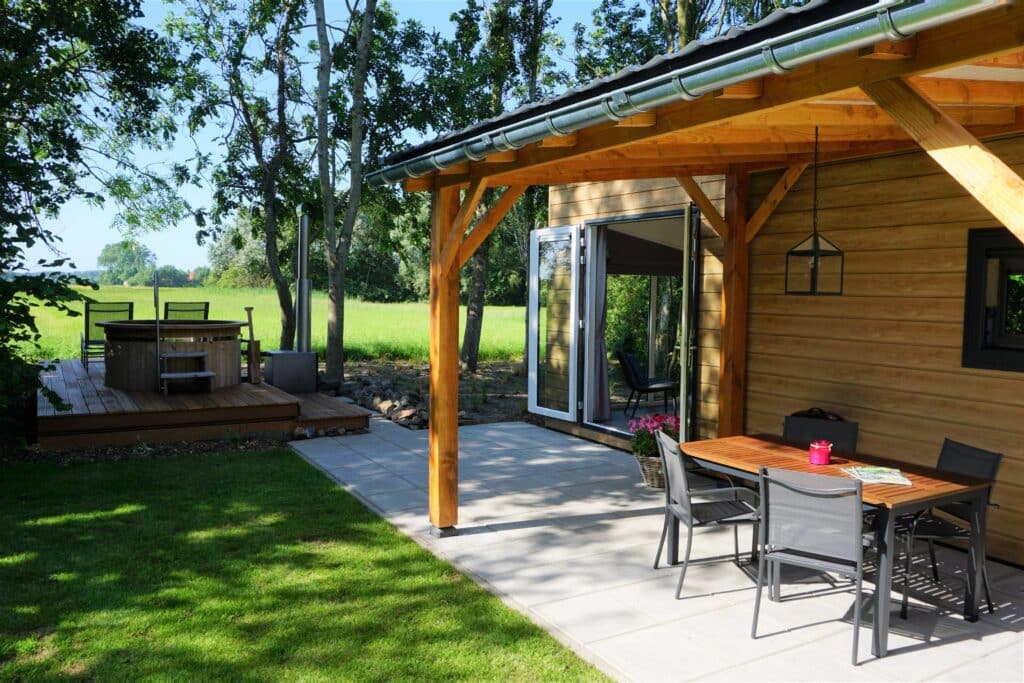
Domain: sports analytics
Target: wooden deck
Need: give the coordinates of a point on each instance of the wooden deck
(103, 416)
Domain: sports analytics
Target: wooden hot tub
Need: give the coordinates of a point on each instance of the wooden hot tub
(131, 354)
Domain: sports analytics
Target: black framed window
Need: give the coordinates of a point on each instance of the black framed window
(994, 301)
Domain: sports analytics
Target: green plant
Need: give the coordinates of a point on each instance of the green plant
(644, 442)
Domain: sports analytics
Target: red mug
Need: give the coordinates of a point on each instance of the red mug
(820, 453)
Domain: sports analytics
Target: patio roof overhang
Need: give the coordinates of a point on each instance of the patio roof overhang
(946, 88)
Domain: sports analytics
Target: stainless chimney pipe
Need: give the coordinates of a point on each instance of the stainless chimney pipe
(303, 291)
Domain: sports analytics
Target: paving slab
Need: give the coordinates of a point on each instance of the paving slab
(563, 530)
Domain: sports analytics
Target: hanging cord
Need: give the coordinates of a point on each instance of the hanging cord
(814, 205)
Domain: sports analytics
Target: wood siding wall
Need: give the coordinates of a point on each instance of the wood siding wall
(572, 204)
(887, 352)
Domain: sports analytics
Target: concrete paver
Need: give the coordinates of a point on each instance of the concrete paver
(564, 531)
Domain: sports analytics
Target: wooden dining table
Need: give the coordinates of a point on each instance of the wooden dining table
(744, 456)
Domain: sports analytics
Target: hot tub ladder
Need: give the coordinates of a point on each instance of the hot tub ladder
(200, 371)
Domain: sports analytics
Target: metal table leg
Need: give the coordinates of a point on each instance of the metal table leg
(976, 556)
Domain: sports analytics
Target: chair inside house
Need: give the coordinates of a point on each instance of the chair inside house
(955, 458)
(842, 433)
(186, 310)
(641, 385)
(718, 506)
(93, 339)
(812, 521)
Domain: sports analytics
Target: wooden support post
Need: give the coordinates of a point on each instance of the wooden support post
(443, 481)
(732, 373)
(989, 180)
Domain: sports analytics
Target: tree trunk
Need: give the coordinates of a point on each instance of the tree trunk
(281, 283)
(335, 294)
(338, 246)
(475, 307)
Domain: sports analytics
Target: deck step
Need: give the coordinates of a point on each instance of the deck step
(199, 374)
(184, 354)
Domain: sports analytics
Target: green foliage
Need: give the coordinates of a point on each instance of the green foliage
(238, 565)
(629, 299)
(630, 32)
(80, 83)
(1015, 304)
(125, 262)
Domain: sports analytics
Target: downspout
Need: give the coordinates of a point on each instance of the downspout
(884, 20)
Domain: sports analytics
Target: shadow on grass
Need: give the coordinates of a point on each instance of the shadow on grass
(236, 566)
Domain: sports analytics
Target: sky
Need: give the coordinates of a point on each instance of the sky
(84, 230)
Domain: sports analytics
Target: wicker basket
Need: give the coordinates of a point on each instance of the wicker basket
(650, 468)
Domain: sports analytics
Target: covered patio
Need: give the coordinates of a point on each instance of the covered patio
(916, 106)
(563, 530)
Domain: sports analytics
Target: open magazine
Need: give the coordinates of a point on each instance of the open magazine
(872, 474)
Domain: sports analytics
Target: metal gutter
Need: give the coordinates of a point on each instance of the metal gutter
(883, 20)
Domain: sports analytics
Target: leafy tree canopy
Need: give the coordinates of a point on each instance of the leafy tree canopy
(80, 82)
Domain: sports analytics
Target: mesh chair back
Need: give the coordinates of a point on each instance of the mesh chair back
(104, 311)
(812, 513)
(186, 310)
(677, 485)
(628, 370)
(959, 458)
(842, 434)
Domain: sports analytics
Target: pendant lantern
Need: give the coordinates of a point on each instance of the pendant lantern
(815, 265)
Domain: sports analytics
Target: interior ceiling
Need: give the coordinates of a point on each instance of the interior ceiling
(770, 122)
(667, 231)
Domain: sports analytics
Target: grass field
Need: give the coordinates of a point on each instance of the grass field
(372, 331)
(237, 566)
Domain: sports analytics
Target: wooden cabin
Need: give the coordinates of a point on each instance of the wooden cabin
(920, 112)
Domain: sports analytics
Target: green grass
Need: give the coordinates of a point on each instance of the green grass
(372, 331)
(237, 566)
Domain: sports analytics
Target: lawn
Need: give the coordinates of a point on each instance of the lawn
(372, 330)
(237, 566)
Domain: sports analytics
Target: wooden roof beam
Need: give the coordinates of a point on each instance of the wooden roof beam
(957, 92)
(747, 90)
(984, 175)
(559, 141)
(460, 223)
(972, 39)
(644, 119)
(707, 209)
(773, 199)
(890, 49)
(485, 226)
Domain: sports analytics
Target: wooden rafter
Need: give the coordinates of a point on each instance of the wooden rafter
(773, 199)
(890, 49)
(972, 39)
(488, 222)
(989, 180)
(707, 209)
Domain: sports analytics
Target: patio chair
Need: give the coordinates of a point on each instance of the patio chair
(718, 506)
(641, 385)
(812, 521)
(186, 310)
(842, 433)
(956, 458)
(93, 339)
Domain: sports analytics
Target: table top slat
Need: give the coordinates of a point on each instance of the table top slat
(750, 453)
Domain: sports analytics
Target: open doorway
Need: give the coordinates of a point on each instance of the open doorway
(612, 309)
